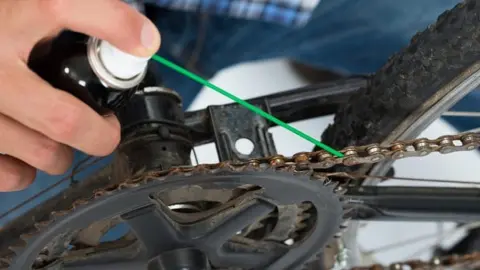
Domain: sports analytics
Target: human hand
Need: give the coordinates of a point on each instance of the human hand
(39, 125)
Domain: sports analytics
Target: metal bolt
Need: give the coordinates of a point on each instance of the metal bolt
(446, 141)
(467, 139)
(421, 144)
(373, 150)
(277, 161)
(350, 152)
(323, 155)
(302, 157)
(397, 146)
(254, 163)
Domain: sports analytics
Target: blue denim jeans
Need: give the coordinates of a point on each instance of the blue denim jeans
(349, 36)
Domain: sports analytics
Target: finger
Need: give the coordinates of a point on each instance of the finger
(15, 175)
(113, 120)
(111, 20)
(56, 114)
(33, 148)
(16, 28)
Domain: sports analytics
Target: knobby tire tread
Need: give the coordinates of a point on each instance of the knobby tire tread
(409, 78)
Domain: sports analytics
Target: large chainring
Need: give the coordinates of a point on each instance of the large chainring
(214, 233)
(51, 241)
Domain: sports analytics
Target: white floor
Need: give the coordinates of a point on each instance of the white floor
(256, 79)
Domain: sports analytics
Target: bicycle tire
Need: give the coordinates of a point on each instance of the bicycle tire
(432, 60)
(412, 77)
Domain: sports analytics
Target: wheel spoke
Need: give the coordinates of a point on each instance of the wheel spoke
(153, 229)
(461, 114)
(386, 178)
(474, 130)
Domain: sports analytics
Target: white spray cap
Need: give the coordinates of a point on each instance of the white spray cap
(120, 64)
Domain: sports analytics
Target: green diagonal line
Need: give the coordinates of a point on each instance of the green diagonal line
(245, 104)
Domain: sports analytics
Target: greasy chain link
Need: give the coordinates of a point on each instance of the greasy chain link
(310, 161)
(375, 153)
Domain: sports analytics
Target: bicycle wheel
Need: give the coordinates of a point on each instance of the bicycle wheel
(436, 70)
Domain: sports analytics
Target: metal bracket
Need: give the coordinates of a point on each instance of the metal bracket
(233, 122)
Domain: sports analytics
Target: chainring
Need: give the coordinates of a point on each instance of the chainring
(221, 232)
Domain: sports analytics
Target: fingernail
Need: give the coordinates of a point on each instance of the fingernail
(149, 36)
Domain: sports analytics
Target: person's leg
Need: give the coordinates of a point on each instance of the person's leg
(367, 35)
(353, 36)
(180, 33)
(8, 200)
(349, 36)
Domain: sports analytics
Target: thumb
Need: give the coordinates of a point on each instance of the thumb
(110, 20)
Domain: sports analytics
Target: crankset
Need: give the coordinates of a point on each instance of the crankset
(260, 212)
(165, 235)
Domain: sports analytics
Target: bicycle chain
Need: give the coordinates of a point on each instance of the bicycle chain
(310, 161)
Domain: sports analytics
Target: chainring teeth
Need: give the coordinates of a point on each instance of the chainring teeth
(42, 224)
(80, 203)
(228, 168)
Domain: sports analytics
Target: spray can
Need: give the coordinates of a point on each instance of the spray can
(92, 70)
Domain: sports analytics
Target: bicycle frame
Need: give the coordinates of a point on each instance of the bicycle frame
(225, 124)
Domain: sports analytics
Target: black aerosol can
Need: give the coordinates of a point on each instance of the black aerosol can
(92, 70)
